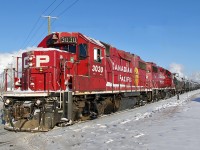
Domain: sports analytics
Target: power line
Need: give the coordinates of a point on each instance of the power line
(39, 39)
(50, 17)
(35, 34)
(70, 6)
(56, 7)
(67, 8)
(34, 26)
(48, 7)
(29, 38)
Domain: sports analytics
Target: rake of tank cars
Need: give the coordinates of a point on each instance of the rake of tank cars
(71, 77)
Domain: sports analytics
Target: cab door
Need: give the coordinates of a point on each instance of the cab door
(98, 60)
(82, 76)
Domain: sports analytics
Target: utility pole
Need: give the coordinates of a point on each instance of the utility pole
(49, 22)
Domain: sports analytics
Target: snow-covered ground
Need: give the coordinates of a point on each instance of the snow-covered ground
(168, 124)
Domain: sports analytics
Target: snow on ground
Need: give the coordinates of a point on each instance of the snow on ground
(167, 124)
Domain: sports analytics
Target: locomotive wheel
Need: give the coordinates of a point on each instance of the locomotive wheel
(117, 103)
(159, 96)
(142, 100)
(109, 105)
(149, 96)
(101, 107)
(163, 95)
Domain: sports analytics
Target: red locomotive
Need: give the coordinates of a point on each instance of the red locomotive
(72, 77)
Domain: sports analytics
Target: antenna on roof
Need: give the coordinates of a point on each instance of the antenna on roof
(49, 22)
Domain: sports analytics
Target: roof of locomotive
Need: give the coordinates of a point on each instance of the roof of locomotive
(62, 34)
(92, 40)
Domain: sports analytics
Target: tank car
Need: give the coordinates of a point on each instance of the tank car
(180, 84)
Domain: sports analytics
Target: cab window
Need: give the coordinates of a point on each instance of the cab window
(97, 55)
(82, 51)
(70, 48)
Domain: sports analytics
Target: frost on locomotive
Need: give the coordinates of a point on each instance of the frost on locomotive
(71, 77)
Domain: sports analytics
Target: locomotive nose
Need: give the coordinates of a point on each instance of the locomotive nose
(27, 116)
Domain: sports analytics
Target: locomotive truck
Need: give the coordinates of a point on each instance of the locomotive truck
(71, 77)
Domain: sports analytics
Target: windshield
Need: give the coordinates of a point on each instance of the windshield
(69, 47)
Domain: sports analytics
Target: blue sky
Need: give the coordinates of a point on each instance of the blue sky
(162, 31)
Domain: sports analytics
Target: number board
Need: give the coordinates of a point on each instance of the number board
(68, 40)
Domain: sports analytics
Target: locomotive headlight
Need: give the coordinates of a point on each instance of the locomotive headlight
(30, 58)
(38, 102)
(30, 64)
(7, 102)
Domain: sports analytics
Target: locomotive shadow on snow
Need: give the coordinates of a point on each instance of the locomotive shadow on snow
(196, 100)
